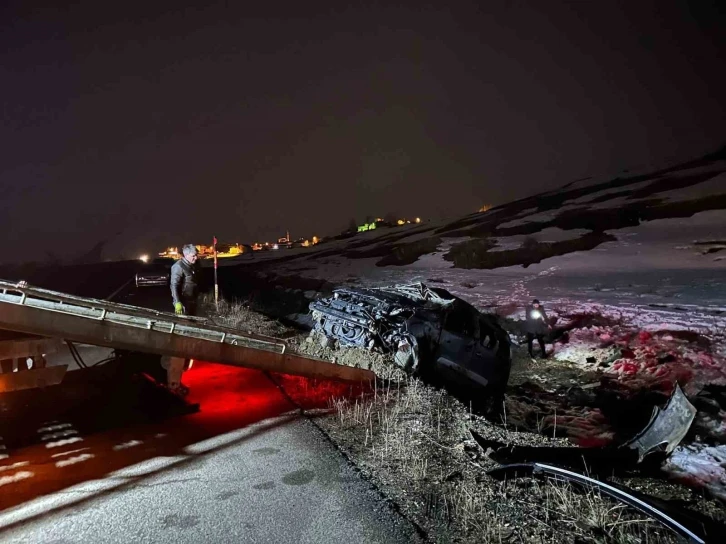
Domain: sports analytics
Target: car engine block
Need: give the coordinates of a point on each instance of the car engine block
(375, 318)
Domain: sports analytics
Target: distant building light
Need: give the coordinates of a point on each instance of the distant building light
(485, 208)
(367, 226)
(400, 222)
(144, 258)
(418, 220)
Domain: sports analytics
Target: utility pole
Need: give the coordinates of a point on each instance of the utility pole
(216, 285)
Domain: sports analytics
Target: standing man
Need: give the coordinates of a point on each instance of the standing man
(183, 282)
(537, 326)
(184, 296)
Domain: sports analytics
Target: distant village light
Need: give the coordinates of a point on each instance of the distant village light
(144, 258)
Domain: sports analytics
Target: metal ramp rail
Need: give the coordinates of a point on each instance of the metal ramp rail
(101, 323)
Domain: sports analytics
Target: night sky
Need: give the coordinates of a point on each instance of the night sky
(142, 125)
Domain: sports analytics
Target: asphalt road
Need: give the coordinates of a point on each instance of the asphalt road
(122, 464)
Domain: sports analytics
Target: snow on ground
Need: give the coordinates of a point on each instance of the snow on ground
(611, 203)
(712, 186)
(548, 235)
(651, 171)
(680, 299)
(654, 275)
(541, 217)
(655, 244)
(585, 200)
(700, 465)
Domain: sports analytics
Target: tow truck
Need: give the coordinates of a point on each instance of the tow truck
(36, 321)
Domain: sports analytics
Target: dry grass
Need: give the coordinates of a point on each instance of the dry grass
(237, 315)
(413, 440)
(588, 514)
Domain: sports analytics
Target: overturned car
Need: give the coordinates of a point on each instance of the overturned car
(430, 332)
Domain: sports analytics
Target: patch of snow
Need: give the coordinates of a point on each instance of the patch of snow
(616, 202)
(710, 187)
(509, 243)
(540, 217)
(435, 260)
(549, 235)
(704, 465)
(592, 196)
(659, 244)
(525, 213)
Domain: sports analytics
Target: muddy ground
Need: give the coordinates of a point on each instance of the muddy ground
(413, 442)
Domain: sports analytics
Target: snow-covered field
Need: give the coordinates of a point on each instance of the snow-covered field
(659, 273)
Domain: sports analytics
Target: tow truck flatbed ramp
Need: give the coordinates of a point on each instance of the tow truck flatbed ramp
(53, 314)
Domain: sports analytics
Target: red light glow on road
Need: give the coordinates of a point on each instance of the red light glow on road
(230, 400)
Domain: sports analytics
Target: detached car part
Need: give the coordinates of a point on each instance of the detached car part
(666, 427)
(428, 330)
(658, 439)
(693, 531)
(593, 460)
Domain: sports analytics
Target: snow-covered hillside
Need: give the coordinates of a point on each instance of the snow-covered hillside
(651, 245)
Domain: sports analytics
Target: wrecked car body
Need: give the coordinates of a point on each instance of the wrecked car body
(429, 331)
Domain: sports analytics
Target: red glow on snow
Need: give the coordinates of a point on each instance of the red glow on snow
(659, 361)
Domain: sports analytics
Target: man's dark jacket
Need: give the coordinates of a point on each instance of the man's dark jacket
(183, 282)
(536, 325)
